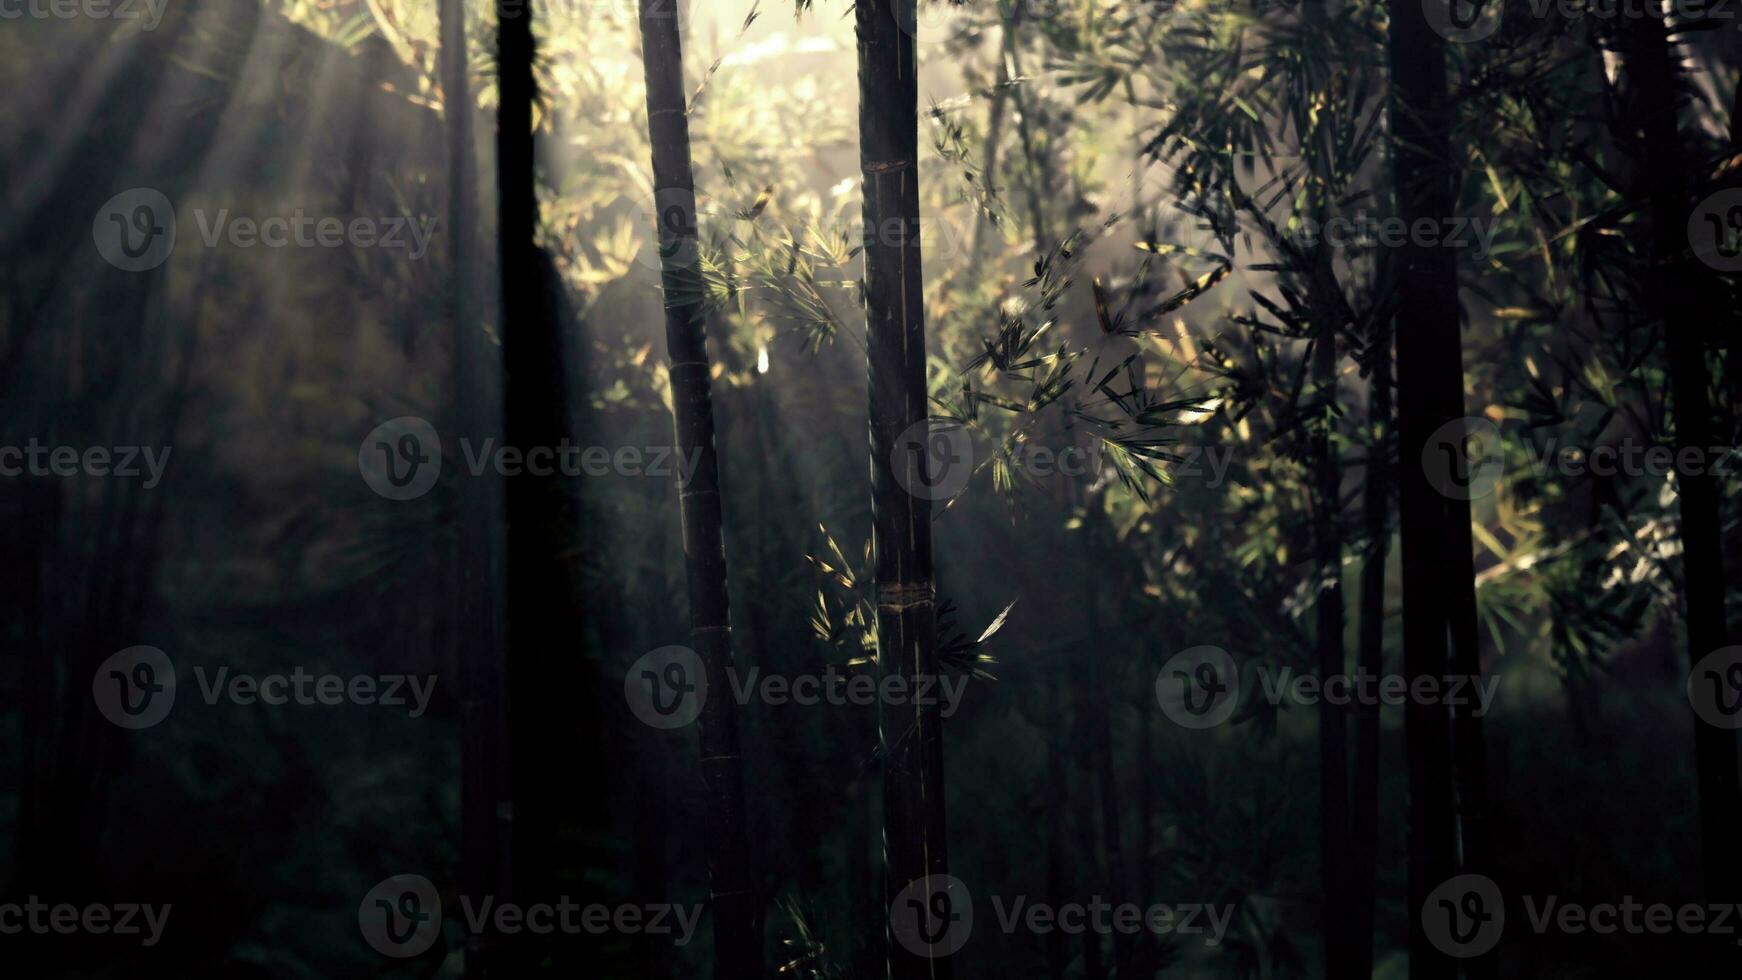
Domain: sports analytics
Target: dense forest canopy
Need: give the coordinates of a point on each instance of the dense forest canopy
(1037, 488)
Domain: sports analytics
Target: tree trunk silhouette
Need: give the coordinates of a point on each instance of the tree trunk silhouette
(1098, 718)
(737, 925)
(1090, 874)
(1325, 303)
(1673, 295)
(551, 692)
(910, 739)
(1333, 720)
(1058, 797)
(1430, 395)
(476, 639)
(1364, 792)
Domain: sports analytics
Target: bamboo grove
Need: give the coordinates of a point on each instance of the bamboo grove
(1015, 421)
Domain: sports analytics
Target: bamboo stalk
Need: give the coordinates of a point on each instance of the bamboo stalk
(737, 911)
(909, 734)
